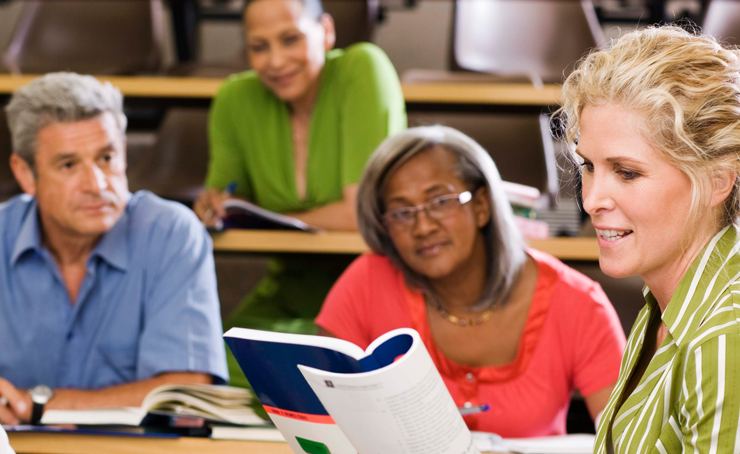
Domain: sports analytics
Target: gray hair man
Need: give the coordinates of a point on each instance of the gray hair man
(109, 294)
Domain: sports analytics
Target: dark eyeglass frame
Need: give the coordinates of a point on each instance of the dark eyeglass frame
(390, 219)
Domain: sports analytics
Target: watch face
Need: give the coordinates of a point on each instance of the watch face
(41, 394)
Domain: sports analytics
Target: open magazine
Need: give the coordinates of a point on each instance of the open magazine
(241, 214)
(327, 395)
(211, 403)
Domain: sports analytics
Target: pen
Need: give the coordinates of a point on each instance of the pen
(471, 410)
(219, 224)
(230, 188)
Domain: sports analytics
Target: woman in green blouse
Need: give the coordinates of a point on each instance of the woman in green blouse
(293, 136)
(655, 124)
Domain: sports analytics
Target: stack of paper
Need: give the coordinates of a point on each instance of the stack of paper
(564, 444)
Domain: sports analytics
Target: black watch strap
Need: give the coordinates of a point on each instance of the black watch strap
(36, 413)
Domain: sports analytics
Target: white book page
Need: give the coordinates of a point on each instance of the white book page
(559, 444)
(124, 416)
(403, 408)
(246, 433)
(4, 445)
(563, 444)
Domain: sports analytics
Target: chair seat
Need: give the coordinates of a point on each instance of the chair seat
(520, 144)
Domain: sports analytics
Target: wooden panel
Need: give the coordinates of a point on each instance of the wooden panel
(352, 243)
(139, 86)
(454, 93)
(46, 443)
(492, 93)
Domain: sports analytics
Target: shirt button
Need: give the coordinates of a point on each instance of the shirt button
(470, 376)
(69, 336)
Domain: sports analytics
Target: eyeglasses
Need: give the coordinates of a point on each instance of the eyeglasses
(437, 208)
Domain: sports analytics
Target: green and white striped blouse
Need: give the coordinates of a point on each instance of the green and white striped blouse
(688, 399)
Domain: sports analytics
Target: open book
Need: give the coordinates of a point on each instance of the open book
(241, 214)
(327, 395)
(207, 403)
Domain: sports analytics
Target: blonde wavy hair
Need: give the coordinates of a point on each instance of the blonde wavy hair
(685, 86)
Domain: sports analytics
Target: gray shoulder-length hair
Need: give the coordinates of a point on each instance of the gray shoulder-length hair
(505, 247)
(58, 98)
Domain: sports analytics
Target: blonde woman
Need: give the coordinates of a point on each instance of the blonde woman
(655, 124)
(507, 326)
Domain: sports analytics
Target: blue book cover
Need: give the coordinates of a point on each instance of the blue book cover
(328, 396)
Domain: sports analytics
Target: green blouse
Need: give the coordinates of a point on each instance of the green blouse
(688, 398)
(359, 104)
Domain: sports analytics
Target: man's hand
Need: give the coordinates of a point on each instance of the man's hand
(15, 405)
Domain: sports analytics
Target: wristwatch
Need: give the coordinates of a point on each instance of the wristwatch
(40, 395)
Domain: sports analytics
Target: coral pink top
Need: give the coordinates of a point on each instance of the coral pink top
(572, 339)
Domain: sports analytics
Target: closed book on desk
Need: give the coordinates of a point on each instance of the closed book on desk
(241, 214)
(327, 395)
(176, 405)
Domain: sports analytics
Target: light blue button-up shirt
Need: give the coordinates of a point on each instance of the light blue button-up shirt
(147, 305)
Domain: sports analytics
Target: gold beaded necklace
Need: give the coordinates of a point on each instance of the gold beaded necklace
(477, 320)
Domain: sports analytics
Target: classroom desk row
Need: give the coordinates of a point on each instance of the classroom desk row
(194, 91)
(35, 443)
(49, 443)
(273, 241)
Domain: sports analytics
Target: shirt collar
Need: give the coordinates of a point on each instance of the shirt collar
(29, 237)
(691, 302)
(112, 248)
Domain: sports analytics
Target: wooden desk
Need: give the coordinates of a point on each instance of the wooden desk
(352, 243)
(199, 89)
(45, 443)
(36, 443)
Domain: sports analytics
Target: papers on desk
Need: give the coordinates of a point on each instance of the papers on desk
(486, 442)
(184, 405)
(241, 214)
(246, 433)
(564, 444)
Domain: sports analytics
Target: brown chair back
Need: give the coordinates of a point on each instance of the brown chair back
(8, 185)
(520, 144)
(87, 36)
(175, 166)
(355, 20)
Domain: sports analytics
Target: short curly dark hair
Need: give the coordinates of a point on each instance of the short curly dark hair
(313, 8)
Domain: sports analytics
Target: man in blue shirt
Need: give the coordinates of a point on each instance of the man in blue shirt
(104, 294)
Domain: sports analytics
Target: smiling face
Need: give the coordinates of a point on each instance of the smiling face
(286, 47)
(638, 202)
(437, 248)
(80, 182)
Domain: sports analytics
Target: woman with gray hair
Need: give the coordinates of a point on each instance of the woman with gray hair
(508, 328)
